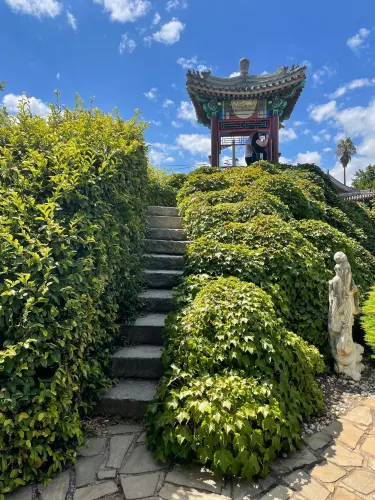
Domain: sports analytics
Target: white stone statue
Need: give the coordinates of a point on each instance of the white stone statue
(343, 305)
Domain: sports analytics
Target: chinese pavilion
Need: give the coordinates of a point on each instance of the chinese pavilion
(235, 107)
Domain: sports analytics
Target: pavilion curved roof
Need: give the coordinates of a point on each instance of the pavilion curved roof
(281, 83)
(350, 194)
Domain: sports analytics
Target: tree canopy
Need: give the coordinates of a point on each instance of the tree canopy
(365, 179)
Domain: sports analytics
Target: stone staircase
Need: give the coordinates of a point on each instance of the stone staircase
(139, 366)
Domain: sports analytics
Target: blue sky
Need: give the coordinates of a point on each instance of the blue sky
(134, 54)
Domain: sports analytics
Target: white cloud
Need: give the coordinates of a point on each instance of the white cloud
(322, 73)
(316, 138)
(156, 20)
(160, 152)
(192, 63)
(356, 41)
(58, 76)
(167, 103)
(125, 10)
(37, 106)
(71, 20)
(156, 123)
(298, 123)
(168, 34)
(327, 137)
(176, 4)
(323, 112)
(358, 123)
(283, 159)
(38, 8)
(196, 144)
(151, 94)
(235, 73)
(156, 157)
(176, 124)
(353, 85)
(186, 111)
(307, 63)
(170, 159)
(174, 86)
(306, 131)
(327, 150)
(287, 134)
(127, 44)
(309, 157)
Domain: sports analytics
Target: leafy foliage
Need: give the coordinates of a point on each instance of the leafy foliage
(163, 187)
(368, 320)
(73, 201)
(258, 266)
(270, 253)
(237, 384)
(364, 179)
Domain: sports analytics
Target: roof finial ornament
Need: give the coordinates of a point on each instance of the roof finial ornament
(244, 67)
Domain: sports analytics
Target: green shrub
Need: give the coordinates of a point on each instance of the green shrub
(163, 187)
(300, 205)
(73, 205)
(200, 218)
(270, 253)
(237, 384)
(275, 228)
(329, 240)
(368, 320)
(340, 221)
(316, 175)
(364, 219)
(203, 182)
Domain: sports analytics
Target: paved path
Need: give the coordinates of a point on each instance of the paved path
(337, 463)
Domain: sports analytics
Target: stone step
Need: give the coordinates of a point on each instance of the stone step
(146, 330)
(162, 278)
(141, 361)
(129, 398)
(166, 246)
(163, 261)
(164, 221)
(166, 234)
(163, 211)
(157, 300)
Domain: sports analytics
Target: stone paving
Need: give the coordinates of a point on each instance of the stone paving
(337, 463)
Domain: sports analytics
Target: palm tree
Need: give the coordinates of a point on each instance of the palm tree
(345, 150)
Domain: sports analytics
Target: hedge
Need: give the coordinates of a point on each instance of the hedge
(368, 320)
(73, 205)
(163, 187)
(237, 383)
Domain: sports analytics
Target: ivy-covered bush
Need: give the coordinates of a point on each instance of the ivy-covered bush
(163, 187)
(238, 385)
(329, 240)
(200, 218)
(270, 253)
(73, 205)
(258, 266)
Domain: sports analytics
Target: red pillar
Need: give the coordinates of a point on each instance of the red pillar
(275, 139)
(214, 143)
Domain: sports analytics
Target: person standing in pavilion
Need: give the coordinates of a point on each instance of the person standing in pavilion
(248, 151)
(259, 146)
